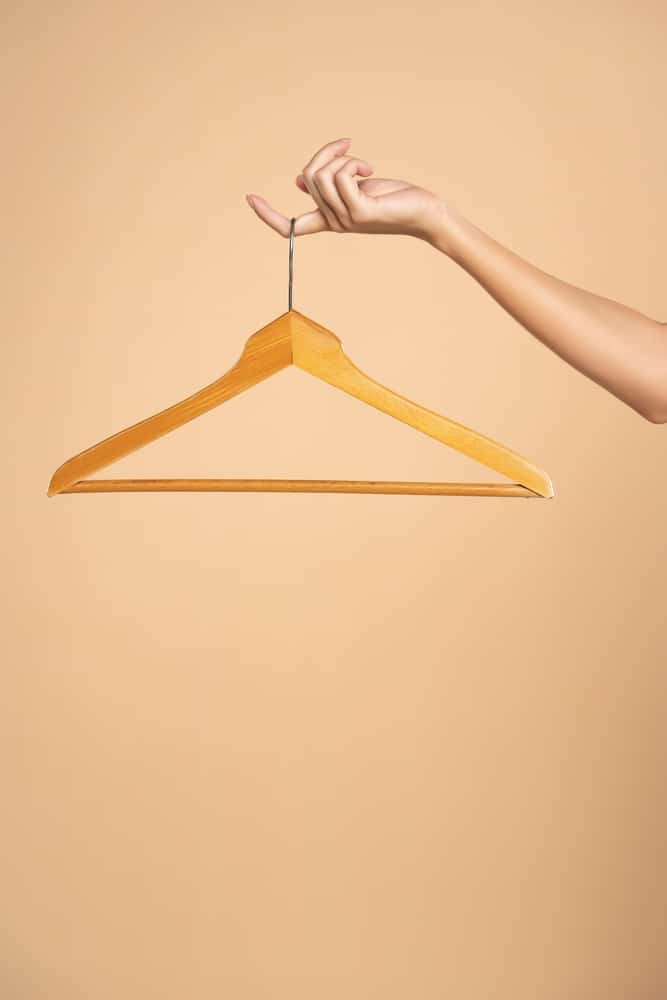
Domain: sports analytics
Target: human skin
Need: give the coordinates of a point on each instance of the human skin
(614, 345)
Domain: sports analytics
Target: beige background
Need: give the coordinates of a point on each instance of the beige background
(328, 746)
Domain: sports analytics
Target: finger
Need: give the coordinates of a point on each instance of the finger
(268, 214)
(310, 188)
(301, 184)
(326, 154)
(374, 186)
(354, 199)
(323, 156)
(378, 186)
(308, 222)
(324, 181)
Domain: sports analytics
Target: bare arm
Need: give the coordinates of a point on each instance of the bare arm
(612, 344)
(616, 346)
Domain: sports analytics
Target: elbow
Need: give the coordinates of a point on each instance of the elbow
(654, 388)
(657, 411)
(657, 416)
(654, 407)
(652, 394)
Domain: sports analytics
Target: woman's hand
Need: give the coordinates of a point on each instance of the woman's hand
(616, 346)
(349, 200)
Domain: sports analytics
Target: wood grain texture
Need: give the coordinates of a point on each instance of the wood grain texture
(296, 486)
(266, 352)
(293, 338)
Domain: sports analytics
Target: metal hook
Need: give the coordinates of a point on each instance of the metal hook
(291, 262)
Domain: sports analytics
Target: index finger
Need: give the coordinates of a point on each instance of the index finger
(308, 222)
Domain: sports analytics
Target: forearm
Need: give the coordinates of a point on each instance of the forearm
(618, 347)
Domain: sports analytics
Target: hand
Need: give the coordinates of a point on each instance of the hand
(350, 201)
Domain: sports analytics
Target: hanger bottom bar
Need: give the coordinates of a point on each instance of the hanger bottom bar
(297, 486)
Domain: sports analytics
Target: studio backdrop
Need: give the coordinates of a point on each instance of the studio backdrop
(320, 746)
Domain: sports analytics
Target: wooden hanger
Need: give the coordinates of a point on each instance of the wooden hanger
(293, 338)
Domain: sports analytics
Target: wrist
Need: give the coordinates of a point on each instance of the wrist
(448, 229)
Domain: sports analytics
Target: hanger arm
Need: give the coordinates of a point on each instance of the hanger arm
(266, 352)
(319, 352)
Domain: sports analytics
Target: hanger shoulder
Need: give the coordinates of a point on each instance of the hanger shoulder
(319, 352)
(265, 352)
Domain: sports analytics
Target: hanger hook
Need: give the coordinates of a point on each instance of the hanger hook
(291, 262)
